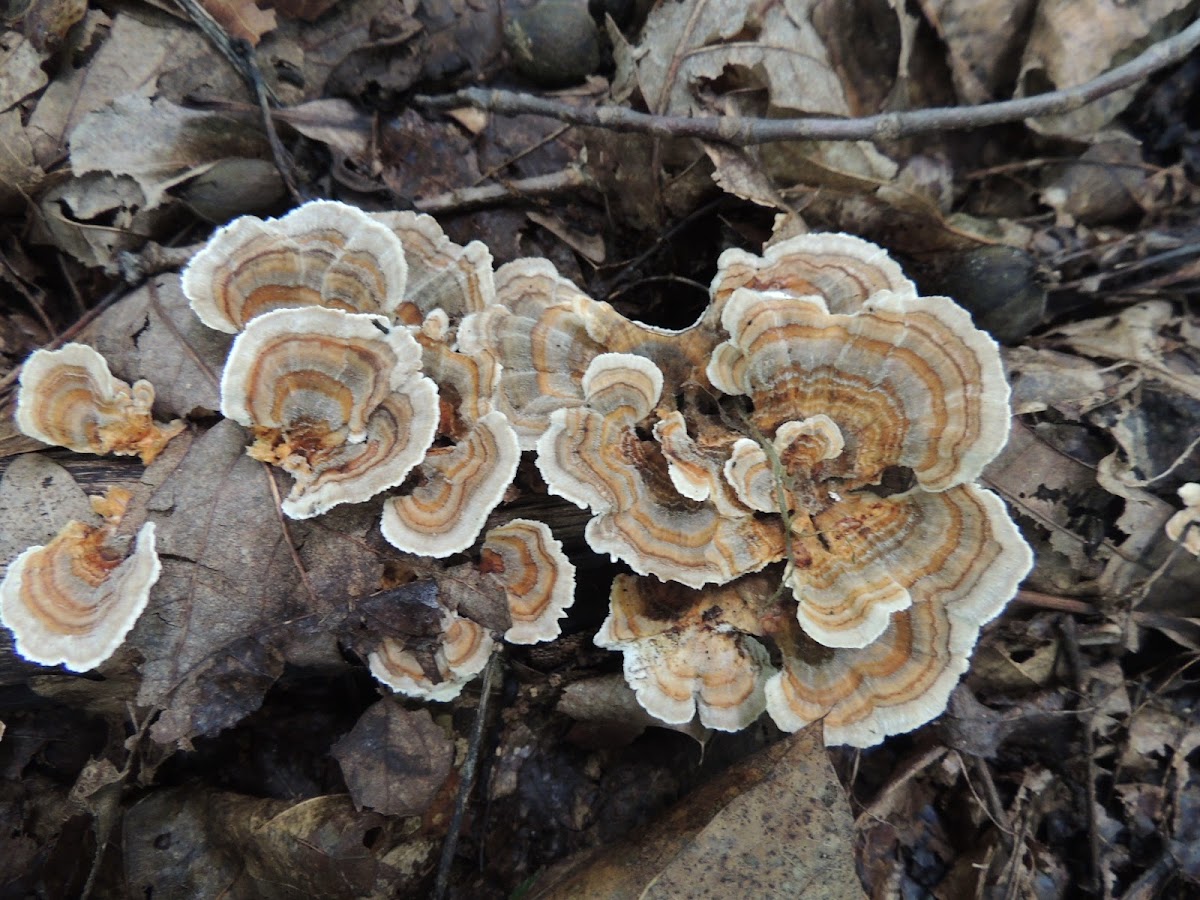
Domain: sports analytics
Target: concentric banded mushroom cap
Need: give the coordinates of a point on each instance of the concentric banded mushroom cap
(684, 652)
(458, 486)
(69, 398)
(538, 579)
(797, 449)
(592, 455)
(334, 398)
(904, 677)
(843, 270)
(545, 333)
(908, 381)
(72, 601)
(538, 331)
(463, 650)
(323, 253)
(441, 274)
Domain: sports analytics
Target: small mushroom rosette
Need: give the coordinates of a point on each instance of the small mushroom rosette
(346, 368)
(822, 422)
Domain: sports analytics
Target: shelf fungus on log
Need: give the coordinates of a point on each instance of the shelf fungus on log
(538, 579)
(439, 673)
(546, 332)
(904, 384)
(72, 601)
(441, 274)
(457, 487)
(323, 253)
(836, 422)
(335, 399)
(69, 398)
(843, 270)
(537, 329)
(466, 474)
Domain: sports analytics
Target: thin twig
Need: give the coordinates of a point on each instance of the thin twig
(283, 159)
(885, 801)
(1096, 880)
(223, 42)
(1052, 601)
(467, 775)
(570, 178)
(993, 807)
(34, 303)
(746, 130)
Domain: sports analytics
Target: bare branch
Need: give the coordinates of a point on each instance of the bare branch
(746, 130)
(537, 186)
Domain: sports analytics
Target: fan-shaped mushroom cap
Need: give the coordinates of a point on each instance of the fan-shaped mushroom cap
(462, 652)
(72, 601)
(696, 467)
(908, 381)
(441, 274)
(323, 253)
(538, 332)
(845, 271)
(866, 557)
(334, 398)
(69, 398)
(904, 678)
(687, 649)
(467, 383)
(545, 333)
(538, 579)
(459, 486)
(592, 456)
(797, 449)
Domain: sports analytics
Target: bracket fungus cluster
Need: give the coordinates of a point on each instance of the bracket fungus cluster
(791, 479)
(347, 371)
(345, 368)
(822, 425)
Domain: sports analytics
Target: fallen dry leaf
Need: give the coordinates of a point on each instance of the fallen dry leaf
(20, 174)
(775, 825)
(192, 843)
(174, 144)
(129, 61)
(242, 18)
(1073, 41)
(46, 22)
(233, 576)
(152, 333)
(394, 760)
(21, 71)
(37, 498)
(982, 45)
(94, 217)
(688, 50)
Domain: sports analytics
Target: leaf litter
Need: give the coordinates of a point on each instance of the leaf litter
(1062, 738)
